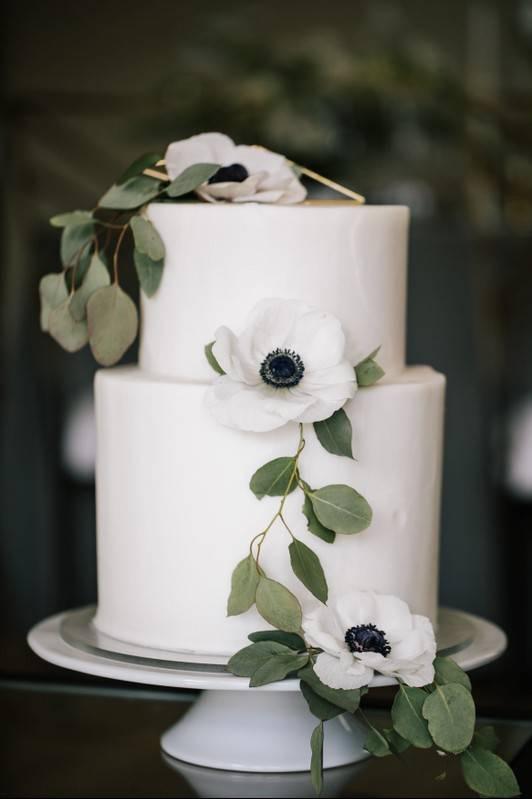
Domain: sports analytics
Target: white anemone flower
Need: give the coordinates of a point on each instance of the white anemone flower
(362, 633)
(288, 364)
(246, 174)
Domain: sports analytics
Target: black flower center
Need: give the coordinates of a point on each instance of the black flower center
(235, 173)
(282, 369)
(367, 638)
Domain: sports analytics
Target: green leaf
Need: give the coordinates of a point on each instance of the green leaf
(347, 700)
(341, 508)
(52, 291)
(247, 660)
(113, 322)
(307, 567)
(213, 363)
(486, 737)
(191, 178)
(273, 478)
(376, 743)
(138, 166)
(62, 326)
(318, 706)
(133, 193)
(292, 640)
(316, 760)
(487, 774)
(395, 741)
(447, 671)
(368, 370)
(278, 606)
(95, 278)
(147, 239)
(244, 582)
(335, 434)
(149, 272)
(73, 239)
(71, 219)
(407, 716)
(450, 713)
(277, 668)
(313, 523)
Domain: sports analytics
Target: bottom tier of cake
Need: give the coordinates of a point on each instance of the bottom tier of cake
(175, 512)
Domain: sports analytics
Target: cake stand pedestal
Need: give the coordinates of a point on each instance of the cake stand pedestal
(231, 726)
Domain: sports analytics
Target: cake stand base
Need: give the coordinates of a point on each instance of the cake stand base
(232, 727)
(256, 731)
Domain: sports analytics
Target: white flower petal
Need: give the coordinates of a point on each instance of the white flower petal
(318, 411)
(395, 614)
(319, 339)
(234, 359)
(206, 148)
(323, 630)
(344, 672)
(240, 406)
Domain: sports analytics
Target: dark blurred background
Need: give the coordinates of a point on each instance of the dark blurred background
(423, 103)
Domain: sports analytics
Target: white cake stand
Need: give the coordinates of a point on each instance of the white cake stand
(231, 726)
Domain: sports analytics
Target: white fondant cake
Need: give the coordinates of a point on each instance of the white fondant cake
(175, 513)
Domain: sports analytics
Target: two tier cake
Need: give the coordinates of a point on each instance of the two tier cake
(175, 512)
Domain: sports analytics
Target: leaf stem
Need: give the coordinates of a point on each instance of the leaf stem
(117, 250)
(279, 513)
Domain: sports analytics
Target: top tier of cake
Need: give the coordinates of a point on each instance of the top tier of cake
(222, 259)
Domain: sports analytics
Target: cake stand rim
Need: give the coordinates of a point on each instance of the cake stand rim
(489, 643)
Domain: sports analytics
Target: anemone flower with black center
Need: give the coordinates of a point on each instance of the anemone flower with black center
(246, 173)
(288, 364)
(363, 633)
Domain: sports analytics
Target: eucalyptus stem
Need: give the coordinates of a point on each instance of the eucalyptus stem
(279, 513)
(117, 250)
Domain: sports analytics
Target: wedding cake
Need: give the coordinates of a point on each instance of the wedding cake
(268, 477)
(174, 509)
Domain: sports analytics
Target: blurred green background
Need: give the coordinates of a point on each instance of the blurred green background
(425, 104)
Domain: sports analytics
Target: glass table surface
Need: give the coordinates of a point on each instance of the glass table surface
(80, 740)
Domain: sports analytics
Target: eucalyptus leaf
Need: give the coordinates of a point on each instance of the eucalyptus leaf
(52, 291)
(347, 700)
(376, 743)
(292, 640)
(62, 326)
(149, 272)
(318, 706)
(335, 434)
(407, 716)
(447, 671)
(396, 742)
(213, 363)
(191, 178)
(368, 370)
(71, 219)
(278, 606)
(313, 523)
(133, 193)
(487, 774)
(96, 277)
(307, 567)
(450, 713)
(74, 243)
(486, 737)
(274, 478)
(244, 582)
(342, 509)
(247, 660)
(147, 239)
(316, 760)
(277, 667)
(138, 166)
(113, 323)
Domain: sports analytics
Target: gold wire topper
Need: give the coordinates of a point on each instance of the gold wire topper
(331, 184)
